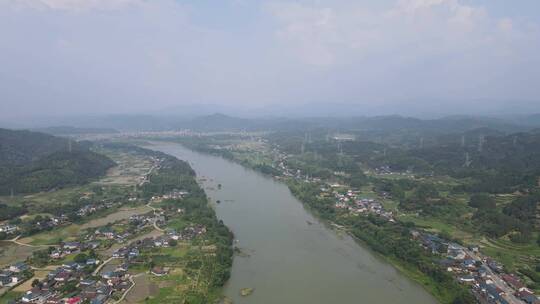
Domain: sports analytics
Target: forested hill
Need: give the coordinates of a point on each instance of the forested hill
(32, 162)
(22, 147)
(497, 163)
(68, 130)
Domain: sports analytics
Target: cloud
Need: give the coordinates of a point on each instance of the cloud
(76, 5)
(140, 55)
(325, 35)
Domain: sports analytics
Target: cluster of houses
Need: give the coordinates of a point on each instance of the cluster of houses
(187, 233)
(142, 220)
(46, 223)
(9, 229)
(487, 278)
(108, 233)
(33, 226)
(13, 274)
(87, 287)
(68, 248)
(92, 208)
(352, 202)
(386, 170)
(174, 194)
(137, 222)
(73, 283)
(133, 250)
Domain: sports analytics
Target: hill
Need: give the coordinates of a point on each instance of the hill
(33, 162)
(22, 147)
(67, 130)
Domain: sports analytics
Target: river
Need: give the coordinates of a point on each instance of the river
(293, 257)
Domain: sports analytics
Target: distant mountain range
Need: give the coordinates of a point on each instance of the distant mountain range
(220, 122)
(223, 122)
(67, 130)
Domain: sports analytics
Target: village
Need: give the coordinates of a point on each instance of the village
(488, 281)
(82, 209)
(89, 277)
(100, 264)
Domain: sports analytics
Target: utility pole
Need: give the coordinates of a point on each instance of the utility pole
(304, 143)
(468, 160)
(463, 141)
(481, 143)
(340, 148)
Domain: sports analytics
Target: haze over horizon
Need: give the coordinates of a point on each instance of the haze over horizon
(254, 58)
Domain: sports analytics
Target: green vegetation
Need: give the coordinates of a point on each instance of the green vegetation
(391, 240)
(60, 169)
(197, 266)
(492, 201)
(33, 162)
(203, 267)
(10, 212)
(10, 296)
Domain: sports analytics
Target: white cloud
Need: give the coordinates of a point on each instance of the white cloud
(77, 5)
(114, 54)
(325, 35)
(506, 25)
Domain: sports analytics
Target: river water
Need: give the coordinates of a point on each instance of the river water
(293, 257)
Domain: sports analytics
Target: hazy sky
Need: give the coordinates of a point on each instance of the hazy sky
(99, 56)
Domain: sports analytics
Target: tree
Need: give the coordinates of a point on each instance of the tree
(464, 298)
(69, 287)
(173, 243)
(482, 201)
(425, 192)
(35, 282)
(80, 258)
(92, 254)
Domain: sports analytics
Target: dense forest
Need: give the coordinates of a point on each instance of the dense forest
(22, 147)
(482, 180)
(32, 162)
(494, 162)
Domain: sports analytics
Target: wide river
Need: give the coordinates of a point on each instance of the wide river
(293, 257)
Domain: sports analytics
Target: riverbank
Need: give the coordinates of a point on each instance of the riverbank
(444, 294)
(391, 241)
(175, 238)
(293, 255)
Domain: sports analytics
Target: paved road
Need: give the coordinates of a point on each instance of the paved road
(16, 241)
(102, 265)
(509, 292)
(129, 289)
(154, 222)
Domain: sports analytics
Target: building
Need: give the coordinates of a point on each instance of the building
(18, 267)
(158, 271)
